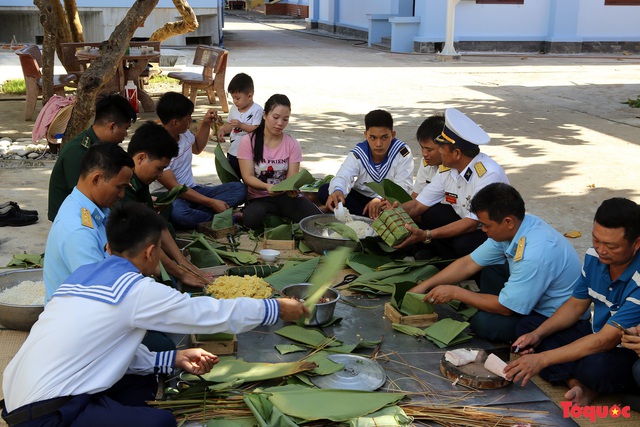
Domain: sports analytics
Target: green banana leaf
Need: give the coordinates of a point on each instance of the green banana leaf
(293, 183)
(408, 330)
(390, 191)
(164, 276)
(223, 167)
(279, 232)
(336, 405)
(445, 330)
(412, 304)
(168, 198)
(463, 337)
(390, 416)
(304, 248)
(315, 186)
(323, 277)
(299, 273)
(311, 337)
(372, 262)
(241, 258)
(372, 288)
(289, 348)
(468, 312)
(265, 413)
(232, 369)
(203, 255)
(325, 366)
(233, 422)
(27, 261)
(222, 220)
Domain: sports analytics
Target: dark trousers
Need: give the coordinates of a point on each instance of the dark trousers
(122, 405)
(294, 208)
(233, 161)
(454, 247)
(493, 326)
(355, 201)
(605, 372)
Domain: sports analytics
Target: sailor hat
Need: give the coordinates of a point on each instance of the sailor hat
(461, 131)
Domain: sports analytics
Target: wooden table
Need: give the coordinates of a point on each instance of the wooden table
(132, 65)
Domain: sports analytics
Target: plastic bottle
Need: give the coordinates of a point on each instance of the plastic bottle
(131, 93)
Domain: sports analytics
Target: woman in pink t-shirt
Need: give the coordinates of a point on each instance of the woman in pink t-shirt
(266, 157)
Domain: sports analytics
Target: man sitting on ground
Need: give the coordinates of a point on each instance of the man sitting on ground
(584, 356)
(431, 163)
(114, 115)
(151, 148)
(538, 276)
(83, 362)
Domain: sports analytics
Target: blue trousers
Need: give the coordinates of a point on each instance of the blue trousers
(185, 214)
(122, 405)
(605, 372)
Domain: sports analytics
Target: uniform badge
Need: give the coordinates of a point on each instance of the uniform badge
(86, 142)
(404, 151)
(519, 250)
(424, 163)
(86, 218)
(451, 198)
(467, 175)
(443, 168)
(480, 169)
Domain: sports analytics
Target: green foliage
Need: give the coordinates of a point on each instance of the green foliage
(14, 87)
(163, 79)
(634, 103)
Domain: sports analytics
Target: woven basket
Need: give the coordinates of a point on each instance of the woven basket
(390, 225)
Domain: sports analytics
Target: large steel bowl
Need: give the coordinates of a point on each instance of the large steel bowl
(20, 317)
(317, 237)
(324, 311)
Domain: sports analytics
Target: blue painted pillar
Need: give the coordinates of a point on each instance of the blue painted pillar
(563, 21)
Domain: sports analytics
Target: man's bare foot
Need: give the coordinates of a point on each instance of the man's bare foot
(579, 394)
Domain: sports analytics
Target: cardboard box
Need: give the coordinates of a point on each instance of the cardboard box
(215, 346)
(279, 244)
(418, 320)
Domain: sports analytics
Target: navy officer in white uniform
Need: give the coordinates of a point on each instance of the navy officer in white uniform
(448, 227)
(83, 363)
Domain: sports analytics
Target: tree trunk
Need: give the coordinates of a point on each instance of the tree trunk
(73, 18)
(104, 68)
(189, 23)
(48, 20)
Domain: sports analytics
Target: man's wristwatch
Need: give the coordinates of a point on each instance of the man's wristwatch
(427, 240)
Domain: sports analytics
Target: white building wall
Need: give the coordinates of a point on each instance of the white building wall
(354, 13)
(597, 22)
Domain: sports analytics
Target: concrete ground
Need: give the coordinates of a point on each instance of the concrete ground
(559, 124)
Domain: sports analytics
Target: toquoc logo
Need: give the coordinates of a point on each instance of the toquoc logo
(594, 412)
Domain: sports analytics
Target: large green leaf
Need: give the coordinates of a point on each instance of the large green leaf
(299, 273)
(232, 369)
(27, 261)
(240, 258)
(223, 167)
(390, 191)
(412, 304)
(342, 229)
(324, 277)
(391, 416)
(312, 337)
(294, 182)
(203, 254)
(315, 186)
(279, 232)
(336, 405)
(445, 330)
(168, 198)
(266, 413)
(222, 220)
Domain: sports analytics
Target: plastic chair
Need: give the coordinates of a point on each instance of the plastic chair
(214, 63)
(30, 61)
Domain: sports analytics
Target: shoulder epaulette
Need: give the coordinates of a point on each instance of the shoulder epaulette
(520, 249)
(86, 142)
(443, 168)
(404, 151)
(480, 169)
(424, 163)
(86, 218)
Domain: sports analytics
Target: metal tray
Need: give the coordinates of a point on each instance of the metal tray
(359, 373)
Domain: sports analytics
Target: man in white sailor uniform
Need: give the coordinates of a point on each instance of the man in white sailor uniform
(380, 156)
(83, 363)
(443, 206)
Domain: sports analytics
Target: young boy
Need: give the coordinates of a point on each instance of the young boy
(431, 163)
(381, 155)
(244, 116)
(200, 203)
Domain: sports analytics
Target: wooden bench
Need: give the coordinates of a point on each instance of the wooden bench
(31, 63)
(214, 63)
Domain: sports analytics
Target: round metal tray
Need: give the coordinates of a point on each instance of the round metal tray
(317, 237)
(20, 317)
(359, 373)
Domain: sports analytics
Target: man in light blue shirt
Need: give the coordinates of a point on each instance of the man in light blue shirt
(77, 236)
(527, 267)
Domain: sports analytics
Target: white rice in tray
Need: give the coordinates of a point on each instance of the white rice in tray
(28, 292)
(361, 228)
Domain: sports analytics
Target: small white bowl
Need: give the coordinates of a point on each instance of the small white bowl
(269, 255)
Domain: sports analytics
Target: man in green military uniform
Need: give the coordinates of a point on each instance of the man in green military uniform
(152, 148)
(114, 115)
